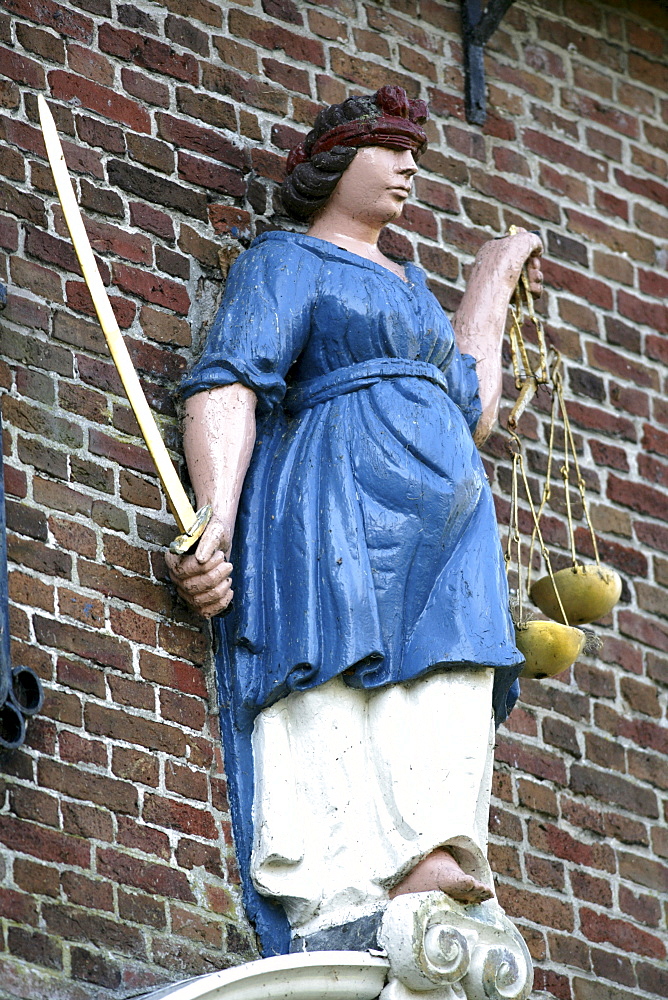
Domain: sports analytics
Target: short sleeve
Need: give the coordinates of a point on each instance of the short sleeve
(463, 387)
(262, 324)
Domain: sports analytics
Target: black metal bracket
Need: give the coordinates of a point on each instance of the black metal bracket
(21, 692)
(478, 26)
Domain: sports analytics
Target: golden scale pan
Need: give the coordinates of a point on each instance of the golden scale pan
(577, 594)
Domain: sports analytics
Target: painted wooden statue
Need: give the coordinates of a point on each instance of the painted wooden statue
(332, 423)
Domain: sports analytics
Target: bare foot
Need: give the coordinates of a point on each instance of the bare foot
(439, 870)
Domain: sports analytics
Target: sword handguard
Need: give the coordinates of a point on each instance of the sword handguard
(185, 542)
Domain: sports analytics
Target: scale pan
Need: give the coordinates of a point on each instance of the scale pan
(587, 593)
(548, 647)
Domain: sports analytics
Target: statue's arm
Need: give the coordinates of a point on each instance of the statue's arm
(218, 439)
(481, 317)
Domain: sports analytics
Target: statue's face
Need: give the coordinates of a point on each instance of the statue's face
(375, 186)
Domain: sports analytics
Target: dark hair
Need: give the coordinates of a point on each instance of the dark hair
(310, 184)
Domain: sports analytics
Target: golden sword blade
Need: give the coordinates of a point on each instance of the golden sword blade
(191, 524)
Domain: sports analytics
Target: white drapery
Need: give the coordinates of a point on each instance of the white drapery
(353, 787)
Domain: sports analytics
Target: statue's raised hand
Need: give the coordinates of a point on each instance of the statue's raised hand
(501, 260)
(204, 579)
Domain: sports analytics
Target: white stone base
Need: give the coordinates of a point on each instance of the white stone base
(318, 975)
(434, 949)
(441, 950)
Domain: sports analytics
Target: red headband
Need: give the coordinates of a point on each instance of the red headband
(398, 125)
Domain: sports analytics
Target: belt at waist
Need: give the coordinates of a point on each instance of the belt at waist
(303, 395)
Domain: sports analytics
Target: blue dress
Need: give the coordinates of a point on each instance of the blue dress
(366, 542)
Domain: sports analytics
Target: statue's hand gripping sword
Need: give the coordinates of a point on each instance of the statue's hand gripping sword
(191, 524)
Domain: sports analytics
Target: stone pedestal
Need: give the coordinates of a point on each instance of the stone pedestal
(431, 948)
(441, 950)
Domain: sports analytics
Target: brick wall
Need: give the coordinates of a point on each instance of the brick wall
(118, 862)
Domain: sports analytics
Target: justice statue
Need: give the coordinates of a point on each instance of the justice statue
(332, 422)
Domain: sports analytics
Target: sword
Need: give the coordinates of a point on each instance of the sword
(191, 524)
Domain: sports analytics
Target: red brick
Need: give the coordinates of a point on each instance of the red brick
(152, 220)
(188, 712)
(66, 86)
(642, 732)
(185, 780)
(102, 200)
(177, 815)
(296, 45)
(77, 924)
(652, 978)
(143, 838)
(24, 589)
(209, 142)
(591, 81)
(125, 587)
(91, 893)
(225, 219)
(558, 843)
(655, 440)
(152, 288)
(554, 151)
(594, 110)
(248, 90)
(18, 907)
(42, 43)
(184, 33)
(652, 283)
(119, 796)
(539, 763)
(563, 183)
(193, 925)
(63, 19)
(85, 821)
(183, 642)
(539, 907)
(520, 197)
(72, 536)
(81, 677)
(42, 843)
(172, 673)
(642, 311)
(29, 803)
(90, 64)
(637, 496)
(141, 909)
(622, 934)
(609, 824)
(103, 649)
(119, 725)
(78, 298)
(155, 879)
(144, 88)
(39, 880)
(22, 69)
(136, 766)
(42, 281)
(36, 949)
(219, 899)
(125, 691)
(545, 873)
(613, 788)
(148, 53)
(25, 206)
(210, 175)
(644, 871)
(594, 890)
(39, 557)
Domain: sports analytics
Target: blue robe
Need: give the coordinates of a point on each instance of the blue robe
(366, 542)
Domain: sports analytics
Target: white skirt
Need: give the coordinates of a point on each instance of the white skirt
(354, 787)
